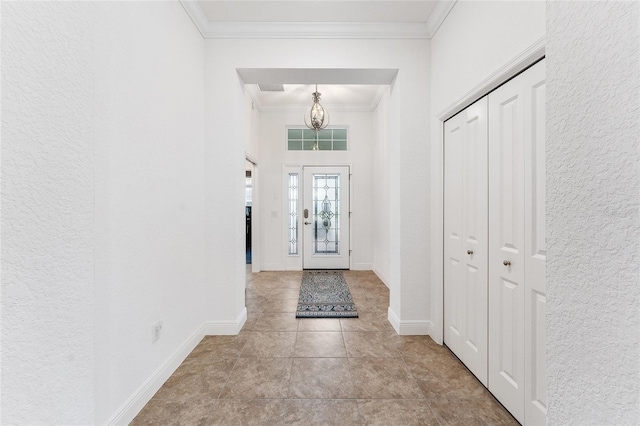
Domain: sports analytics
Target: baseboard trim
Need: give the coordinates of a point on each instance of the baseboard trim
(382, 277)
(130, 409)
(393, 319)
(410, 327)
(134, 404)
(226, 328)
(362, 267)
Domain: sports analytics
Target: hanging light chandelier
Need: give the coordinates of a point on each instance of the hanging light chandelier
(317, 118)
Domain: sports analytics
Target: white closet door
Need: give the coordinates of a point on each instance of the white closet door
(506, 247)
(515, 198)
(535, 249)
(465, 224)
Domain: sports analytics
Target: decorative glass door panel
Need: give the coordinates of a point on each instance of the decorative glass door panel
(326, 217)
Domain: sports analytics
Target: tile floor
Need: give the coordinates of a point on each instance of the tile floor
(282, 371)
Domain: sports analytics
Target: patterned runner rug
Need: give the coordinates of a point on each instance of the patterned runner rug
(325, 294)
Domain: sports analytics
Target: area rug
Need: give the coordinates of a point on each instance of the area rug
(325, 294)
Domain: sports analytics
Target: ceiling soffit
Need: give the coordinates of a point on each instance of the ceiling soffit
(316, 30)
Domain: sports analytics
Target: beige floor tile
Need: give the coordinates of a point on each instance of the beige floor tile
(192, 411)
(384, 378)
(321, 378)
(366, 321)
(473, 412)
(319, 324)
(416, 346)
(438, 379)
(285, 293)
(258, 412)
(321, 412)
(269, 344)
(197, 377)
(281, 305)
(276, 321)
(404, 412)
(258, 378)
(371, 344)
(318, 344)
(213, 347)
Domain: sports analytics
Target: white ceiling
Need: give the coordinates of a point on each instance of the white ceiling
(376, 11)
(341, 89)
(334, 97)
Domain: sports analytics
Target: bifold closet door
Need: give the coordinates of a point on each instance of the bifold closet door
(465, 246)
(517, 371)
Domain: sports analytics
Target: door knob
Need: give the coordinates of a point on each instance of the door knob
(506, 263)
(469, 252)
(307, 223)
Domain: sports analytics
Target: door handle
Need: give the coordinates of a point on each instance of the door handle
(469, 252)
(307, 223)
(506, 263)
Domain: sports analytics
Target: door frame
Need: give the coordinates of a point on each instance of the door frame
(295, 262)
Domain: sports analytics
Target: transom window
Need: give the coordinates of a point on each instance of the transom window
(302, 139)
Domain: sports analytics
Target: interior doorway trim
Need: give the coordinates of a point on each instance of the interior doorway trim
(255, 209)
(513, 67)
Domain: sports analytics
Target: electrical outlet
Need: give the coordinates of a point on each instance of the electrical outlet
(155, 331)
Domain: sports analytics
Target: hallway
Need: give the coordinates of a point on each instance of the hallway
(281, 370)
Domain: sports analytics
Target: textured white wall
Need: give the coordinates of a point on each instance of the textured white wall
(102, 203)
(476, 40)
(274, 155)
(593, 223)
(47, 214)
(149, 192)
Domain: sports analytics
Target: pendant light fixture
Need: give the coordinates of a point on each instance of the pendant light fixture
(317, 118)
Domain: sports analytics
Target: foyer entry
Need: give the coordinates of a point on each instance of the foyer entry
(325, 217)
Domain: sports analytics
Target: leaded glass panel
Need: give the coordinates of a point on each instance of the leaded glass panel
(326, 214)
(293, 213)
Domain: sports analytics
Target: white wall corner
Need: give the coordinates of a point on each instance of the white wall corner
(383, 277)
(226, 328)
(438, 15)
(136, 402)
(393, 319)
(196, 14)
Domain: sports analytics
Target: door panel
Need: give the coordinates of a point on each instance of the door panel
(465, 227)
(453, 327)
(326, 217)
(506, 244)
(517, 374)
(535, 249)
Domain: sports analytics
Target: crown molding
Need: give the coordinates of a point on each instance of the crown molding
(318, 30)
(438, 15)
(305, 30)
(196, 14)
(314, 30)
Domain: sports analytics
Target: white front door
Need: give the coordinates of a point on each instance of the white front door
(325, 217)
